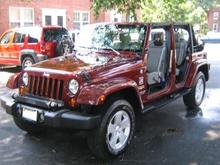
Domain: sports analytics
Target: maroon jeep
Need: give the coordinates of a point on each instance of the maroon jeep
(117, 71)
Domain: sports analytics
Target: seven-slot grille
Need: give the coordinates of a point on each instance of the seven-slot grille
(46, 87)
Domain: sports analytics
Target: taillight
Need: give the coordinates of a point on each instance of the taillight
(42, 48)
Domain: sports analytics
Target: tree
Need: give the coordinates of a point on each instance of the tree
(207, 4)
(121, 6)
(191, 11)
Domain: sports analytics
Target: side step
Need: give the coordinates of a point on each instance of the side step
(164, 101)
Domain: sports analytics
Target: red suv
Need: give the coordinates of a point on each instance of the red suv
(28, 45)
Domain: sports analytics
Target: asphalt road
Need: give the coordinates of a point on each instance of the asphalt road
(166, 136)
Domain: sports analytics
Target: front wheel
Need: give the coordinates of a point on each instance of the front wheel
(115, 131)
(195, 97)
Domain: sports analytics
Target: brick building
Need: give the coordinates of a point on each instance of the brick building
(214, 19)
(71, 14)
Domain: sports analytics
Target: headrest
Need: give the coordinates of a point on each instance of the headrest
(157, 38)
(124, 37)
(177, 36)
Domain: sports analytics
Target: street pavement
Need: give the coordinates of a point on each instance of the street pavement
(167, 136)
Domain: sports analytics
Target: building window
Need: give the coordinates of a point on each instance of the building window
(115, 19)
(60, 20)
(80, 18)
(48, 20)
(215, 27)
(19, 16)
(115, 16)
(215, 16)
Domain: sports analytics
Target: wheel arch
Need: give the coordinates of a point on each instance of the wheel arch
(129, 94)
(28, 53)
(205, 70)
(97, 95)
(195, 69)
(13, 81)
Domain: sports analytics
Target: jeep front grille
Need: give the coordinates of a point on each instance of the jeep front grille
(46, 87)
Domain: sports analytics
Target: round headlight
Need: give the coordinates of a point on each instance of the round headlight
(25, 78)
(73, 86)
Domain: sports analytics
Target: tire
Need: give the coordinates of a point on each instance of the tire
(115, 131)
(193, 99)
(29, 127)
(27, 61)
(59, 49)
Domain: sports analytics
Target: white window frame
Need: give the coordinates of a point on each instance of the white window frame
(215, 15)
(54, 13)
(22, 20)
(81, 12)
(215, 27)
(114, 14)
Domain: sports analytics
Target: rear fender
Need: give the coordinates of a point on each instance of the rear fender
(196, 67)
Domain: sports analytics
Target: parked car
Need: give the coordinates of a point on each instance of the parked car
(74, 34)
(211, 37)
(118, 71)
(28, 45)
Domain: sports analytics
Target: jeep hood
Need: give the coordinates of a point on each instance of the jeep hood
(76, 63)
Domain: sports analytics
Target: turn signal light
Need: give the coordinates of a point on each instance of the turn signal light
(73, 102)
(101, 99)
(23, 90)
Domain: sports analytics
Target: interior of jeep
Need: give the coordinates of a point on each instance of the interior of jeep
(182, 42)
(158, 59)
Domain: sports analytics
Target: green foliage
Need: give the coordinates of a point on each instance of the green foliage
(192, 11)
(122, 6)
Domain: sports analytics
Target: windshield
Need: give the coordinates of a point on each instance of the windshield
(108, 36)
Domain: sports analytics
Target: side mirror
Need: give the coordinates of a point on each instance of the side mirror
(201, 42)
(199, 47)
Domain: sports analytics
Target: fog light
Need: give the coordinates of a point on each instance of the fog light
(41, 117)
(53, 104)
(14, 95)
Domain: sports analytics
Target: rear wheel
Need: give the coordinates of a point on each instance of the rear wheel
(59, 48)
(27, 61)
(195, 97)
(115, 131)
(29, 127)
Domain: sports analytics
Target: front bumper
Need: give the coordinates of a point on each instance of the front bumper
(62, 118)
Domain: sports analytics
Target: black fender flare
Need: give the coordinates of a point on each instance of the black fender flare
(29, 52)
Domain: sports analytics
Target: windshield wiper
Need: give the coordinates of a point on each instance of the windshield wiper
(117, 52)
